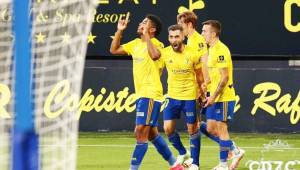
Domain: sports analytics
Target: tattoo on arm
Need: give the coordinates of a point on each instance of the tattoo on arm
(220, 88)
(223, 82)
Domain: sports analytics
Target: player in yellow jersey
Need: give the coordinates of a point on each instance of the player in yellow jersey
(220, 103)
(188, 21)
(145, 52)
(182, 63)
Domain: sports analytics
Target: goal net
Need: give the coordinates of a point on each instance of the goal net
(59, 33)
(6, 83)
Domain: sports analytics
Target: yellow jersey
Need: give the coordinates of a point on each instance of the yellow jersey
(197, 42)
(182, 84)
(146, 72)
(219, 57)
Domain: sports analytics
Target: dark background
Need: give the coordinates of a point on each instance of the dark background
(249, 27)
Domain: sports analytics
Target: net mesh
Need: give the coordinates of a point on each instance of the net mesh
(59, 42)
(6, 82)
(60, 30)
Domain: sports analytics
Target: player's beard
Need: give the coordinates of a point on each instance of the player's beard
(177, 46)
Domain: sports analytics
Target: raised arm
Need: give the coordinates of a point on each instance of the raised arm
(115, 47)
(153, 51)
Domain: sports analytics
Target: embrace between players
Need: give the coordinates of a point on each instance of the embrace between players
(199, 80)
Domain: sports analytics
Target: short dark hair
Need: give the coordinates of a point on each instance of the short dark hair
(175, 27)
(188, 16)
(215, 24)
(156, 23)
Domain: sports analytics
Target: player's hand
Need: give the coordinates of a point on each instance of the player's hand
(202, 102)
(122, 24)
(209, 101)
(146, 30)
(204, 87)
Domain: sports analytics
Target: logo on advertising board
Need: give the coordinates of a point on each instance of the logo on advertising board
(276, 155)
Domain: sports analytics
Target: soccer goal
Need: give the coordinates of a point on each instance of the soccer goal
(6, 82)
(43, 45)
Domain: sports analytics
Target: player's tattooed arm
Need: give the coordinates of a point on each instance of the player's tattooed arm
(224, 79)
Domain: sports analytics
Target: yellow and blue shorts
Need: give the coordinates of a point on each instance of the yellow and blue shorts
(175, 107)
(147, 112)
(221, 111)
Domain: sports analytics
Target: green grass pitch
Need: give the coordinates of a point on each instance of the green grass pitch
(112, 151)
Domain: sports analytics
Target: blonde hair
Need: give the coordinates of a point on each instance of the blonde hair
(188, 16)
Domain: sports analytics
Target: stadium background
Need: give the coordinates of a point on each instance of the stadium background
(263, 37)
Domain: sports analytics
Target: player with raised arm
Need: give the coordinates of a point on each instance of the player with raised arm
(220, 103)
(182, 62)
(145, 52)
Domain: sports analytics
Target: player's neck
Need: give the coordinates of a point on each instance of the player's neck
(191, 32)
(213, 42)
(181, 48)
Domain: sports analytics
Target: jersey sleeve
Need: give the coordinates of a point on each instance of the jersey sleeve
(162, 57)
(202, 48)
(129, 46)
(160, 62)
(197, 61)
(159, 45)
(223, 59)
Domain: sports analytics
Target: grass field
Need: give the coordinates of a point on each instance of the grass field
(112, 151)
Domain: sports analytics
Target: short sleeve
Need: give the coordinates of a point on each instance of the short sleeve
(197, 61)
(163, 56)
(201, 48)
(161, 62)
(198, 65)
(159, 45)
(223, 59)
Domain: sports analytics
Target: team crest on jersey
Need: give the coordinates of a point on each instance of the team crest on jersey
(221, 59)
(186, 61)
(201, 46)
